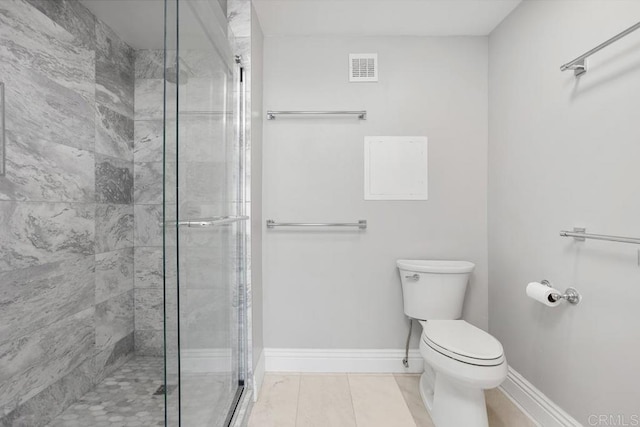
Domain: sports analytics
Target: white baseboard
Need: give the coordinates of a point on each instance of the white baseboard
(339, 360)
(258, 376)
(206, 360)
(534, 403)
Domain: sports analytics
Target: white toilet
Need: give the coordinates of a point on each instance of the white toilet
(460, 359)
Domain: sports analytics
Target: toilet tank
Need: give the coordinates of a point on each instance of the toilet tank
(434, 290)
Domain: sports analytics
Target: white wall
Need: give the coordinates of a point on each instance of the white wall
(341, 289)
(256, 87)
(564, 152)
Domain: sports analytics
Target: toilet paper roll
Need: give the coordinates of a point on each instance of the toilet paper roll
(542, 293)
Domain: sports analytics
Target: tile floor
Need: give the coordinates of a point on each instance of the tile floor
(127, 399)
(124, 399)
(349, 400)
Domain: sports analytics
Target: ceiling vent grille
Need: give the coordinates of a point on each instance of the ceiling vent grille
(363, 67)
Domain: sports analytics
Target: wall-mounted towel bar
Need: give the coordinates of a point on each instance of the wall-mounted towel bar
(362, 115)
(207, 222)
(579, 65)
(579, 234)
(361, 224)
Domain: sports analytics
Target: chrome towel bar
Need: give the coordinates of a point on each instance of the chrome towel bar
(207, 222)
(579, 234)
(361, 224)
(271, 115)
(579, 65)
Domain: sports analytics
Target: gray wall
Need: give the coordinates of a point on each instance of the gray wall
(341, 289)
(66, 214)
(563, 153)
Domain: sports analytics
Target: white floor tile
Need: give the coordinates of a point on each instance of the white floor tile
(378, 402)
(278, 402)
(325, 401)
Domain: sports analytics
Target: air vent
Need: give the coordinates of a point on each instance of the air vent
(363, 67)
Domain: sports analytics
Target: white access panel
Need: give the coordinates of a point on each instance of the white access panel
(395, 168)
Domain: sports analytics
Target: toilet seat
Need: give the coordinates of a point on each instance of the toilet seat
(463, 342)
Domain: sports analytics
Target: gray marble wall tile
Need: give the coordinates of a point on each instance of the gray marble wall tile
(149, 309)
(115, 62)
(207, 320)
(150, 64)
(51, 401)
(29, 364)
(203, 138)
(114, 180)
(114, 319)
(148, 141)
(57, 61)
(204, 182)
(204, 94)
(39, 233)
(211, 267)
(148, 268)
(37, 43)
(72, 16)
(111, 358)
(148, 229)
(37, 108)
(114, 134)
(32, 298)
(114, 274)
(148, 181)
(149, 343)
(114, 227)
(149, 95)
(40, 171)
(239, 16)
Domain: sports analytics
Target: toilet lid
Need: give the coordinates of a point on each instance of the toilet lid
(463, 341)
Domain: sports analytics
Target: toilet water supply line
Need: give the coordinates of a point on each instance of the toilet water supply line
(405, 361)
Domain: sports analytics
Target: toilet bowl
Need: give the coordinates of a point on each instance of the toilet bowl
(466, 360)
(460, 359)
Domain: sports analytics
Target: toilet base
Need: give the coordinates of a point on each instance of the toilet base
(453, 404)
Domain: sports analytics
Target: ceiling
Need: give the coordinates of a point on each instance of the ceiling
(141, 22)
(380, 17)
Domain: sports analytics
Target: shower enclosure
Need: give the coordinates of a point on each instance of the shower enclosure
(123, 224)
(205, 219)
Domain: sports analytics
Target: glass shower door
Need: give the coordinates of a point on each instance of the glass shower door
(203, 155)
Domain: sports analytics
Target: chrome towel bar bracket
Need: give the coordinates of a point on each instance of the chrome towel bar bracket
(579, 65)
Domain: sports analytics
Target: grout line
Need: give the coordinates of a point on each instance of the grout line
(353, 407)
(295, 418)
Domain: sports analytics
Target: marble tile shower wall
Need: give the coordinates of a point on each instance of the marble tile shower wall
(66, 207)
(147, 196)
(207, 169)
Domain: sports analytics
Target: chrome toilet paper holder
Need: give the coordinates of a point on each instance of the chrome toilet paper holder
(571, 295)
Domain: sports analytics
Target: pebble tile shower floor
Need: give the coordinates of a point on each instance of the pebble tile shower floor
(124, 399)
